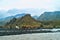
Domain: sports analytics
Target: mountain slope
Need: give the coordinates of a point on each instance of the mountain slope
(50, 16)
(3, 21)
(26, 21)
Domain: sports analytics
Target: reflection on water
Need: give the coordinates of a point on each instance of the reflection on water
(35, 36)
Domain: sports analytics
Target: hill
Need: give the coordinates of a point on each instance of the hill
(50, 16)
(51, 19)
(3, 21)
(25, 22)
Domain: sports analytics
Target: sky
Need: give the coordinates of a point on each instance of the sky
(34, 5)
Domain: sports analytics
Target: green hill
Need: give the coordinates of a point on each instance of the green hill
(25, 22)
(51, 19)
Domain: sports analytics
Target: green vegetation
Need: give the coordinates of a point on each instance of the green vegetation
(25, 22)
(51, 24)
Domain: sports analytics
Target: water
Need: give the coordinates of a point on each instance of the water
(34, 36)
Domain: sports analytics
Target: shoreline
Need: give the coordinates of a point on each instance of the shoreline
(18, 32)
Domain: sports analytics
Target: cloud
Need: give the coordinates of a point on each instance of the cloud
(39, 5)
(12, 12)
(21, 4)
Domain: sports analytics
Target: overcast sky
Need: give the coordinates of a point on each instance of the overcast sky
(41, 5)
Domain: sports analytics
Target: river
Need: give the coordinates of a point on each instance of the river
(33, 36)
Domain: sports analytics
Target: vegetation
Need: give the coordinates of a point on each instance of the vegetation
(26, 22)
(51, 24)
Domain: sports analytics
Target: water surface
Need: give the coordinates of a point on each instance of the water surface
(34, 36)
